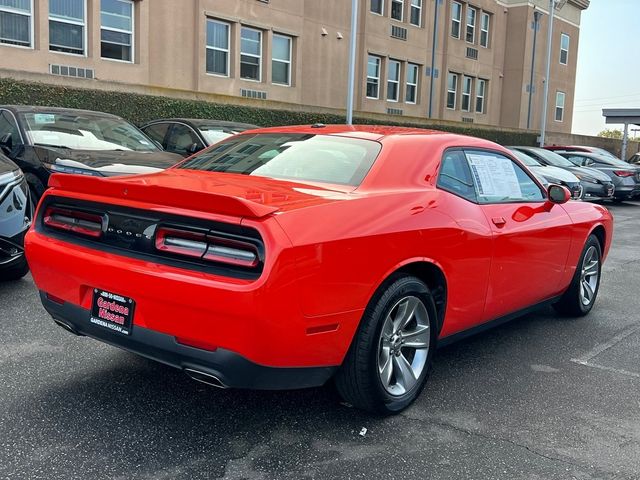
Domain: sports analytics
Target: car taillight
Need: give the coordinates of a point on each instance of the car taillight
(206, 246)
(623, 173)
(87, 224)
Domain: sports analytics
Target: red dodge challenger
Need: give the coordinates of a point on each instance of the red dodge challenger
(280, 258)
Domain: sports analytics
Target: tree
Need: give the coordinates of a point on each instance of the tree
(611, 133)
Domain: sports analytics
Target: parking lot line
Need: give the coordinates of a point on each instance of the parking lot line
(598, 349)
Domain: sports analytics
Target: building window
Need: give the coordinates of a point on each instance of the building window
(251, 54)
(281, 61)
(452, 90)
(456, 19)
(218, 47)
(377, 6)
(116, 33)
(471, 25)
(412, 83)
(393, 81)
(467, 88)
(66, 26)
(397, 7)
(373, 77)
(560, 96)
(15, 22)
(416, 13)
(485, 22)
(564, 48)
(481, 93)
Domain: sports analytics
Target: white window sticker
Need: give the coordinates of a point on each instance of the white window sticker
(495, 176)
(44, 118)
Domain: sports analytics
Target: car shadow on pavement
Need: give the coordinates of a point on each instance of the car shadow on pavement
(147, 418)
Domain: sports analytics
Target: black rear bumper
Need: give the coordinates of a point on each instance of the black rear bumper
(231, 369)
(602, 191)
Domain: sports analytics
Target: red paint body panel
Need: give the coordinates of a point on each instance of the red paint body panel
(328, 248)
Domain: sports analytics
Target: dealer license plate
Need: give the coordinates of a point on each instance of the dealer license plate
(112, 311)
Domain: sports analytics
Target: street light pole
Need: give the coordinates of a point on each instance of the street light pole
(433, 56)
(352, 60)
(536, 25)
(545, 96)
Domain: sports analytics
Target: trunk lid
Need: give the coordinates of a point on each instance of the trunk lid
(211, 192)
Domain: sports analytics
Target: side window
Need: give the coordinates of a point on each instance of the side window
(455, 175)
(578, 160)
(157, 132)
(181, 140)
(9, 133)
(498, 179)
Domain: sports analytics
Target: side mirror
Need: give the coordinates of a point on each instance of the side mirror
(193, 148)
(558, 194)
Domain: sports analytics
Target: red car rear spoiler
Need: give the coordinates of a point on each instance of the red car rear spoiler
(125, 188)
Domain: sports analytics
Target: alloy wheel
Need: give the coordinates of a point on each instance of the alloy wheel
(589, 275)
(404, 345)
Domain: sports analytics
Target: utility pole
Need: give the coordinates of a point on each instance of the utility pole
(545, 101)
(352, 60)
(553, 6)
(433, 57)
(536, 27)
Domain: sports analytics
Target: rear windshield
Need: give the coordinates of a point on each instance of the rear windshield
(614, 162)
(298, 157)
(553, 158)
(85, 131)
(215, 133)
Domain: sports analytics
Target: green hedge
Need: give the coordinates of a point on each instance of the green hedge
(141, 108)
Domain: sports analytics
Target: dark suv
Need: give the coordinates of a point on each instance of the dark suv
(16, 212)
(44, 140)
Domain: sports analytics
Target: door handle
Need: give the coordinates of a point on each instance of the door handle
(499, 221)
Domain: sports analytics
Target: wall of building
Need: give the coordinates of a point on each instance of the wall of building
(171, 47)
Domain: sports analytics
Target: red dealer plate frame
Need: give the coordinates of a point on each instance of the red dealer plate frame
(112, 311)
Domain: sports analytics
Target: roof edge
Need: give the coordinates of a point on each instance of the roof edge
(581, 4)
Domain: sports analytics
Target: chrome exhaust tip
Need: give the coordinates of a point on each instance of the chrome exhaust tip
(66, 326)
(204, 377)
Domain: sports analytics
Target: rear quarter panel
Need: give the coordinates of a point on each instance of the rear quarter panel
(344, 251)
(586, 217)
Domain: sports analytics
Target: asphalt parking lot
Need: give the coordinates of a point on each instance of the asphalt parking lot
(539, 398)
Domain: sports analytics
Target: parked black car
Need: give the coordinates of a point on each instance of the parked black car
(624, 176)
(186, 136)
(43, 140)
(596, 185)
(16, 212)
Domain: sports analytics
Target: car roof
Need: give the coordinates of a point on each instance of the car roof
(566, 147)
(367, 132)
(524, 147)
(196, 122)
(582, 154)
(44, 109)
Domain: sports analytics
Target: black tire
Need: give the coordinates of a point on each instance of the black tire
(571, 303)
(358, 380)
(15, 272)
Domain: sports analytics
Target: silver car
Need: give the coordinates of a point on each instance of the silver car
(624, 176)
(548, 174)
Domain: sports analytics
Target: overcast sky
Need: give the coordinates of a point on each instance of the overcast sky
(608, 63)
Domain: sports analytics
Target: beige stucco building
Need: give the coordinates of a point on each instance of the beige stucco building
(296, 52)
